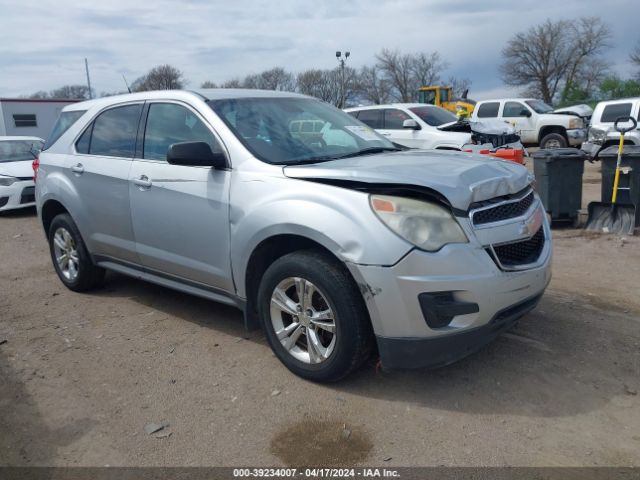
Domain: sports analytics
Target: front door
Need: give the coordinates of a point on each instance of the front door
(520, 116)
(180, 214)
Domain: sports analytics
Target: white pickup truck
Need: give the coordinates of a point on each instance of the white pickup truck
(535, 121)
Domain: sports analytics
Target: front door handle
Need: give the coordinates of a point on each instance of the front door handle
(143, 181)
(78, 168)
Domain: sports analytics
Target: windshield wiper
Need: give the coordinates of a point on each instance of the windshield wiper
(368, 151)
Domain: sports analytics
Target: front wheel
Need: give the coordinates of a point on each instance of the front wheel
(314, 316)
(553, 140)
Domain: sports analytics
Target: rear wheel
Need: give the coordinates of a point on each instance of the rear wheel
(314, 316)
(70, 257)
(553, 140)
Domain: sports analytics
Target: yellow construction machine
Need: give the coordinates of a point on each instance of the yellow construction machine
(442, 97)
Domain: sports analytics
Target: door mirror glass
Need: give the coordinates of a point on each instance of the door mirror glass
(410, 124)
(195, 154)
(525, 113)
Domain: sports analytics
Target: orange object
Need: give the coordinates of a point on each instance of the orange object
(511, 154)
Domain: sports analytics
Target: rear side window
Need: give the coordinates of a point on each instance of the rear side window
(489, 109)
(372, 118)
(612, 112)
(394, 118)
(112, 133)
(63, 123)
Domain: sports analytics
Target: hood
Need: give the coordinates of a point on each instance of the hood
(20, 169)
(582, 110)
(462, 178)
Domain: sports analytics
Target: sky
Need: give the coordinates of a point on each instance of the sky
(43, 43)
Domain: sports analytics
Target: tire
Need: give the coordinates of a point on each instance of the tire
(557, 140)
(336, 298)
(64, 238)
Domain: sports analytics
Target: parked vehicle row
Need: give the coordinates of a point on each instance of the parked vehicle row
(332, 238)
(16, 174)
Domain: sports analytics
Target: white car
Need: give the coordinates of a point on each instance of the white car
(602, 133)
(413, 125)
(16, 172)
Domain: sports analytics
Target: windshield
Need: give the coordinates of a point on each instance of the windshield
(19, 150)
(539, 106)
(434, 116)
(292, 131)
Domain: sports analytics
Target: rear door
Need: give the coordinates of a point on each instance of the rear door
(99, 171)
(180, 213)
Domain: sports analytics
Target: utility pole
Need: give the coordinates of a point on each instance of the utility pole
(343, 87)
(86, 67)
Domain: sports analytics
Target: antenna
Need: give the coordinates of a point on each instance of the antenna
(86, 67)
(125, 82)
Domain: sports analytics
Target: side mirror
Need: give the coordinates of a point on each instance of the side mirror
(411, 124)
(195, 154)
(525, 113)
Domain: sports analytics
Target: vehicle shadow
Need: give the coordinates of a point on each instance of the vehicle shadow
(19, 213)
(25, 437)
(563, 359)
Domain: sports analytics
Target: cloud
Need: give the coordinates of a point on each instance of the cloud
(44, 43)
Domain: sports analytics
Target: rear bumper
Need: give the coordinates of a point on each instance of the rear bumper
(404, 353)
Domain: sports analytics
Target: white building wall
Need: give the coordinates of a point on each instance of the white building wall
(46, 112)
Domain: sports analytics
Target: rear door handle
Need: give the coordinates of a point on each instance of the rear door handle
(143, 181)
(79, 168)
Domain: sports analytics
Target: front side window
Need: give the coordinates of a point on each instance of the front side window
(112, 133)
(539, 106)
(434, 116)
(19, 150)
(290, 130)
(393, 119)
(488, 110)
(514, 109)
(169, 123)
(612, 112)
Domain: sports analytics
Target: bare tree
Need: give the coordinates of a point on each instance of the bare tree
(372, 86)
(208, 84)
(232, 83)
(70, 91)
(39, 94)
(276, 78)
(407, 72)
(162, 77)
(634, 56)
(458, 86)
(546, 59)
(322, 84)
(398, 70)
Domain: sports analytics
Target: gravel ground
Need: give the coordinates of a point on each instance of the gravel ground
(82, 375)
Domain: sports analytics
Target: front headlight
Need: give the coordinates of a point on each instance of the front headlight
(426, 225)
(596, 135)
(6, 181)
(575, 123)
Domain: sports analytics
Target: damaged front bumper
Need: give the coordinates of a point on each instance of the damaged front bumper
(431, 309)
(576, 136)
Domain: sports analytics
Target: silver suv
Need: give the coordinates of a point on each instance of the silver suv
(332, 239)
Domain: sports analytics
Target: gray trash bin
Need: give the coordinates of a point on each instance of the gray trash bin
(629, 184)
(558, 173)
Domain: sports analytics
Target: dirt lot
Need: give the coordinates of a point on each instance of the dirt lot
(82, 374)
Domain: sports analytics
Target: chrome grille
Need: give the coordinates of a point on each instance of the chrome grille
(503, 211)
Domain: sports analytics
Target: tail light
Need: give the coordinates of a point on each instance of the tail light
(35, 165)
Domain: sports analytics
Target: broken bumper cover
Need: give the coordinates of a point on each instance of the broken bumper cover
(577, 136)
(467, 277)
(591, 149)
(435, 352)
